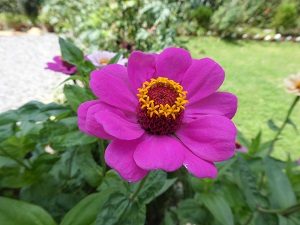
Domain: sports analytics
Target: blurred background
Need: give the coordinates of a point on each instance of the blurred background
(256, 41)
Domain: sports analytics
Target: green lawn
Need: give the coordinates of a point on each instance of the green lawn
(255, 73)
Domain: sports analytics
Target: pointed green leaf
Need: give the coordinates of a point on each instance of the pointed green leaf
(70, 52)
(218, 207)
(115, 59)
(249, 186)
(282, 194)
(85, 212)
(14, 212)
(118, 209)
(272, 125)
(255, 143)
(156, 184)
(77, 95)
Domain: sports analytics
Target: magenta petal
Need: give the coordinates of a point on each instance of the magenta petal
(219, 103)
(172, 63)
(202, 79)
(210, 137)
(57, 59)
(141, 67)
(119, 156)
(118, 125)
(159, 152)
(92, 126)
(82, 113)
(110, 84)
(199, 167)
(87, 122)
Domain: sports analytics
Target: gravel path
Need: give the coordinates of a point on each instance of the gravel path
(22, 74)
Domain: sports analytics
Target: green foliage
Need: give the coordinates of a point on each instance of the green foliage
(286, 17)
(203, 15)
(145, 25)
(13, 212)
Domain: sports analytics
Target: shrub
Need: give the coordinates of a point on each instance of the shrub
(144, 25)
(202, 14)
(285, 17)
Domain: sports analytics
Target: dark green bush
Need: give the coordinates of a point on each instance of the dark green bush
(285, 17)
(202, 15)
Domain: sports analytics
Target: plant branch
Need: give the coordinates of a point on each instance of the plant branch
(102, 159)
(284, 212)
(287, 118)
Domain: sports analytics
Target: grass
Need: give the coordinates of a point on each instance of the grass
(255, 73)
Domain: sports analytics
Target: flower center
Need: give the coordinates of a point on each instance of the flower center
(104, 61)
(67, 65)
(298, 85)
(161, 105)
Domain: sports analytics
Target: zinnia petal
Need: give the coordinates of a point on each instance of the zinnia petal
(172, 63)
(86, 119)
(210, 137)
(202, 79)
(199, 167)
(82, 113)
(92, 126)
(219, 103)
(117, 125)
(119, 156)
(141, 67)
(159, 152)
(110, 84)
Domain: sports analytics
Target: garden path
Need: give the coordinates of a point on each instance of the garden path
(22, 74)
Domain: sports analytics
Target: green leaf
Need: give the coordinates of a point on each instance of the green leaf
(13, 212)
(155, 185)
(71, 138)
(15, 177)
(265, 219)
(218, 207)
(16, 147)
(70, 52)
(272, 125)
(118, 209)
(281, 191)
(85, 68)
(113, 180)
(255, 143)
(290, 122)
(115, 59)
(191, 211)
(249, 186)
(85, 212)
(6, 131)
(288, 220)
(169, 219)
(90, 170)
(8, 117)
(77, 95)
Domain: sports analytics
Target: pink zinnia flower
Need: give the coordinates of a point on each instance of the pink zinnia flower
(161, 112)
(59, 65)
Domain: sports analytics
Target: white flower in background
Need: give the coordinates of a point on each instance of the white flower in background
(102, 58)
(292, 84)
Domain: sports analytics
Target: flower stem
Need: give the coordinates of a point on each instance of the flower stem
(140, 187)
(284, 212)
(286, 120)
(102, 159)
